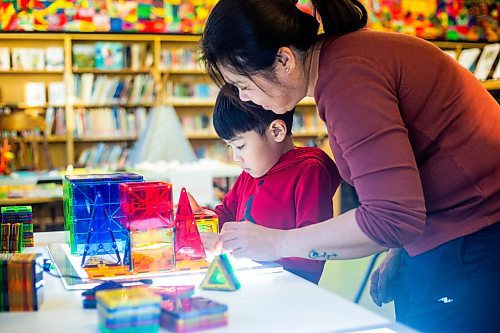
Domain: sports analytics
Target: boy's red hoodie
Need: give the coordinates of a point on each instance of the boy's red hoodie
(294, 193)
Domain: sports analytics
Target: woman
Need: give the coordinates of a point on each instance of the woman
(414, 132)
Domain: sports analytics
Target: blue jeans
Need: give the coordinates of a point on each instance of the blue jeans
(454, 287)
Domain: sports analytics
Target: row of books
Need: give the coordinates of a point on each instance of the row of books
(37, 93)
(179, 58)
(20, 58)
(200, 123)
(192, 90)
(112, 55)
(306, 122)
(213, 150)
(109, 122)
(104, 155)
(55, 121)
(102, 89)
(480, 62)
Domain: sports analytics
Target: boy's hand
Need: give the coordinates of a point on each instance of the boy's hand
(249, 240)
(209, 240)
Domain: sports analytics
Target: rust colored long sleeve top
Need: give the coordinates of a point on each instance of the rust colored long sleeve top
(415, 133)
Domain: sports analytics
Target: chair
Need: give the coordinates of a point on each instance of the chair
(24, 132)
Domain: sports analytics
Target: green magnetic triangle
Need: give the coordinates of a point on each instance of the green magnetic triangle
(220, 276)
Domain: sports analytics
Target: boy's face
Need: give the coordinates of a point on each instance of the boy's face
(255, 154)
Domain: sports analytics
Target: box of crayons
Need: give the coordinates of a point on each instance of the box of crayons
(21, 282)
(16, 229)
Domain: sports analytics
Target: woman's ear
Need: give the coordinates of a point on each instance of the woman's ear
(286, 60)
(278, 130)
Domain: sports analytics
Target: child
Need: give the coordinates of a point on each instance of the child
(281, 186)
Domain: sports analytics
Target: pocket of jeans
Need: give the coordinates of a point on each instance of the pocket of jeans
(480, 255)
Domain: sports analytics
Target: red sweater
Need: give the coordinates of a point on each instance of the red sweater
(415, 133)
(296, 192)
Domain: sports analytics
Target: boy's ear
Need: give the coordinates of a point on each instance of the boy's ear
(278, 130)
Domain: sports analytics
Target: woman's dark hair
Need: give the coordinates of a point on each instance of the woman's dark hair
(245, 36)
(233, 116)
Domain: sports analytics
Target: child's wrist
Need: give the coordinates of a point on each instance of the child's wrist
(284, 243)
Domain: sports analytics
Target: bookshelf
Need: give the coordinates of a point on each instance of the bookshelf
(456, 50)
(164, 66)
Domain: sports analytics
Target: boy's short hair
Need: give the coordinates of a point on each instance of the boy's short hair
(233, 116)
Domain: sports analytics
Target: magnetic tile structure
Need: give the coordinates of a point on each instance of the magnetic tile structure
(220, 275)
(207, 221)
(21, 282)
(188, 245)
(146, 205)
(147, 210)
(134, 309)
(16, 230)
(152, 250)
(193, 314)
(93, 218)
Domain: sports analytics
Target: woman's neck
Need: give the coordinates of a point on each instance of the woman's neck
(312, 61)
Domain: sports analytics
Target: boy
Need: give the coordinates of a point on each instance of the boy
(281, 186)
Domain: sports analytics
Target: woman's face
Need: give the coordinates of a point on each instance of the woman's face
(280, 96)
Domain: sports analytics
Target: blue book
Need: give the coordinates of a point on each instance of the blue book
(108, 55)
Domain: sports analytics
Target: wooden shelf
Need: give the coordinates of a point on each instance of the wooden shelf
(23, 71)
(453, 44)
(186, 71)
(106, 138)
(106, 105)
(307, 101)
(111, 71)
(492, 84)
(189, 101)
(50, 139)
(202, 136)
(57, 138)
(308, 134)
(25, 106)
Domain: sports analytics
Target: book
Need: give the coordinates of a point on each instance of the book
(496, 73)
(109, 55)
(83, 56)
(35, 93)
(57, 93)
(4, 59)
(468, 57)
(54, 58)
(28, 58)
(486, 61)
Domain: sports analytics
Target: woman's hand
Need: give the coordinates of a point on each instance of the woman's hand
(249, 240)
(386, 278)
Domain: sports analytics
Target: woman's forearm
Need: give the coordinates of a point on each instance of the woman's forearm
(336, 238)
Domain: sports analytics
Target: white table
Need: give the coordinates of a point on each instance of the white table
(276, 302)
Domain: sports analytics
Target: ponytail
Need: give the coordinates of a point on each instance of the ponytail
(340, 16)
